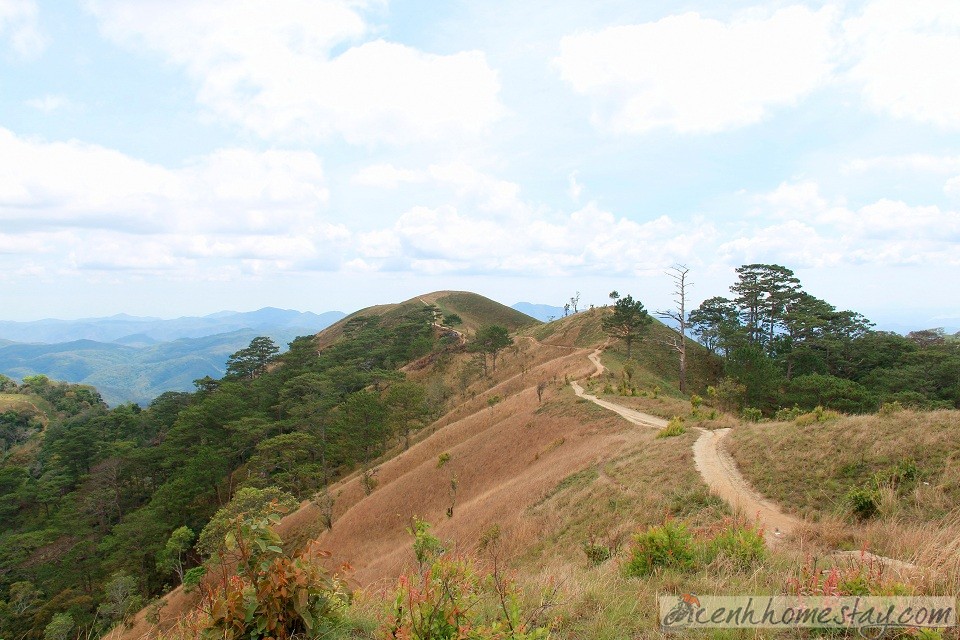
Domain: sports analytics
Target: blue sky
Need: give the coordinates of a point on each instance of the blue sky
(174, 157)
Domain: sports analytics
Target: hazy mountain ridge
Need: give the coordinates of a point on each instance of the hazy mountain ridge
(131, 361)
(122, 327)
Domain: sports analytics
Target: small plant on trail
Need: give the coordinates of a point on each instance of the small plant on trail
(368, 479)
(541, 387)
(668, 546)
(696, 402)
(493, 401)
(656, 392)
(443, 459)
(674, 428)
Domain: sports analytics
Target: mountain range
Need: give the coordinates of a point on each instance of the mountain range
(135, 359)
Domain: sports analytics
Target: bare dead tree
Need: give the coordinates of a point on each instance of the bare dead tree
(678, 314)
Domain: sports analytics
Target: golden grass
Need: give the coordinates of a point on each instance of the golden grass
(809, 469)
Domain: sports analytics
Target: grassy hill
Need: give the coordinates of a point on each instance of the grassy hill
(474, 310)
(568, 486)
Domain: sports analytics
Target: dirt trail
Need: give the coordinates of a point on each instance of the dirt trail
(720, 472)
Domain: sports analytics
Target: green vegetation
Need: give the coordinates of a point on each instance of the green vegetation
(783, 347)
(98, 507)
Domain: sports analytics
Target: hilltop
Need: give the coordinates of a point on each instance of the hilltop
(471, 310)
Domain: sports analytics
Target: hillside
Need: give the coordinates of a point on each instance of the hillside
(566, 480)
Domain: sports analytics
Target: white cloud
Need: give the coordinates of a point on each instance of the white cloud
(921, 162)
(272, 68)
(19, 26)
(48, 103)
(694, 74)
(815, 231)
(72, 184)
(905, 57)
(575, 187)
(100, 207)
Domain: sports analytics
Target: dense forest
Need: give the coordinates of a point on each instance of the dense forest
(100, 508)
(783, 347)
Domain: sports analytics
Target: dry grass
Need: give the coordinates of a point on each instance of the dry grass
(809, 469)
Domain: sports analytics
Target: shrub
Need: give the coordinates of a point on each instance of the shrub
(442, 459)
(674, 428)
(890, 408)
(743, 544)
(426, 546)
(596, 553)
(751, 414)
(668, 546)
(272, 594)
(863, 501)
(788, 415)
(450, 598)
(695, 402)
(192, 578)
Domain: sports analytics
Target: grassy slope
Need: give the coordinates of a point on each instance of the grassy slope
(558, 474)
(474, 309)
(810, 469)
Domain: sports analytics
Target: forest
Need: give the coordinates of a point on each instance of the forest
(95, 513)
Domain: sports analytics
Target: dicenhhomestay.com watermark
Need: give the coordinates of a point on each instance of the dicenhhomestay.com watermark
(874, 613)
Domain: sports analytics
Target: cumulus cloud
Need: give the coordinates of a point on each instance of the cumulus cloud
(48, 103)
(694, 74)
(19, 26)
(277, 69)
(904, 59)
(815, 231)
(101, 207)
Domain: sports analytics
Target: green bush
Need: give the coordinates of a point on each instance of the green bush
(751, 414)
(864, 502)
(192, 578)
(788, 415)
(890, 408)
(674, 428)
(668, 546)
(596, 553)
(743, 545)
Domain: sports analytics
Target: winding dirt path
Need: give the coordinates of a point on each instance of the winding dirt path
(721, 474)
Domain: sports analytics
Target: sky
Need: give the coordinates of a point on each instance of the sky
(180, 157)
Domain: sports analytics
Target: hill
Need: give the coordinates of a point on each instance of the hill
(473, 310)
(565, 482)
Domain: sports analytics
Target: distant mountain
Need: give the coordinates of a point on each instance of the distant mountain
(126, 329)
(137, 359)
(542, 312)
